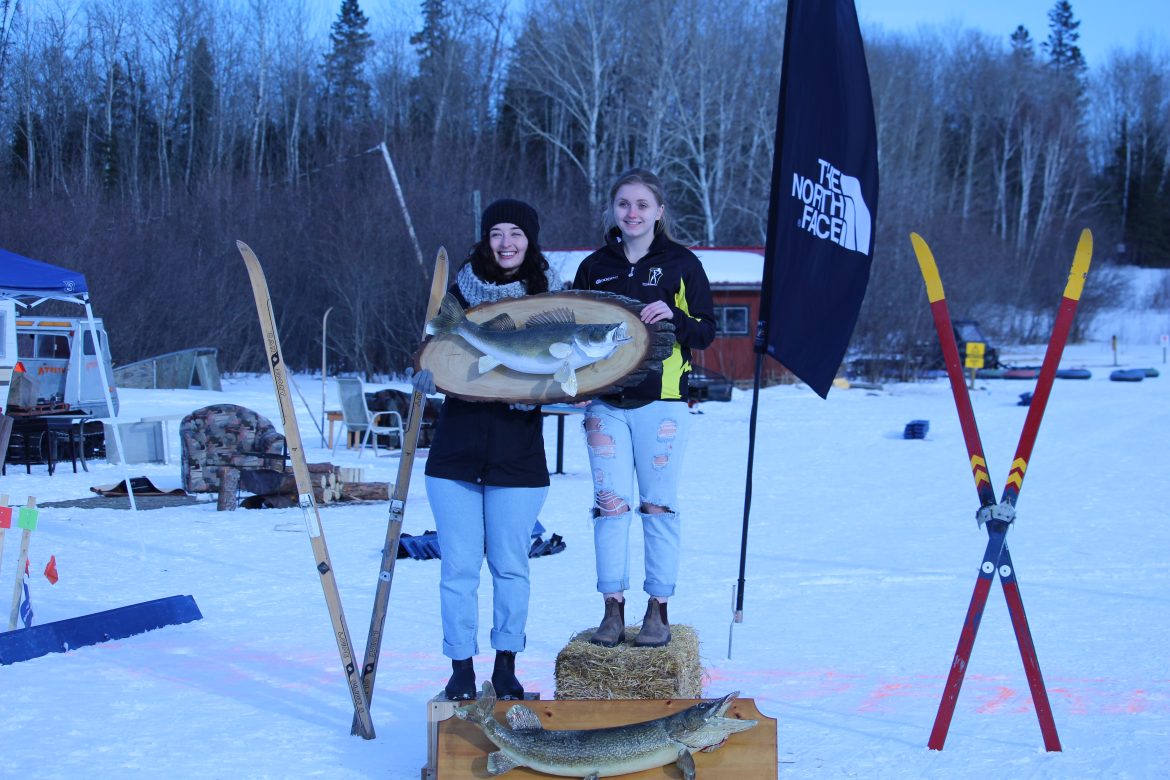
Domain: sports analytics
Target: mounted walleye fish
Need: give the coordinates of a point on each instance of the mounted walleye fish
(605, 752)
(549, 343)
(572, 344)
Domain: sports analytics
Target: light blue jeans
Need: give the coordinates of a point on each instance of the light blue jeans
(647, 443)
(473, 520)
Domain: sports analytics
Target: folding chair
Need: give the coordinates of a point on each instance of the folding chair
(360, 420)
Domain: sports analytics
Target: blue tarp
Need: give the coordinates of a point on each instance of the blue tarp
(21, 277)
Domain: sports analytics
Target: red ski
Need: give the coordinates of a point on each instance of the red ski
(998, 517)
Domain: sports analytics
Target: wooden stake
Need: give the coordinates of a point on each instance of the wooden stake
(25, 536)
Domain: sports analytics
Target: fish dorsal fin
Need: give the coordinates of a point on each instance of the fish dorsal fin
(499, 322)
(560, 316)
(520, 717)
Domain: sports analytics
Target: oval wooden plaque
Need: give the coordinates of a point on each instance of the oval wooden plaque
(454, 362)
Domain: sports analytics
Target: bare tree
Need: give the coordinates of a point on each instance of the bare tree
(565, 69)
(706, 110)
(8, 12)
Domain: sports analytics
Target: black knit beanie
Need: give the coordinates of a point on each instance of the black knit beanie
(515, 212)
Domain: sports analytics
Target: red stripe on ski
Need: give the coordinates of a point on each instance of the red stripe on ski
(950, 697)
(1015, 603)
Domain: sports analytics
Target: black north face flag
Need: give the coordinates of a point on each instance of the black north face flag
(823, 211)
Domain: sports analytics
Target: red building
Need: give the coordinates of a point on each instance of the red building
(736, 274)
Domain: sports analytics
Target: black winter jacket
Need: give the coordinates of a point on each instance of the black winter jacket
(488, 443)
(669, 272)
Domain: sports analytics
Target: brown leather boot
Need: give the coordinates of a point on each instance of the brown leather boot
(655, 628)
(613, 625)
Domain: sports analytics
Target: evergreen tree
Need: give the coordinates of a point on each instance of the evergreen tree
(344, 62)
(432, 40)
(198, 107)
(1063, 53)
(433, 44)
(109, 145)
(1023, 47)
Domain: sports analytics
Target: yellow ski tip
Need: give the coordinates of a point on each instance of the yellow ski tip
(934, 287)
(1080, 266)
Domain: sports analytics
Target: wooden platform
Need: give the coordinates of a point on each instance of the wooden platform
(463, 748)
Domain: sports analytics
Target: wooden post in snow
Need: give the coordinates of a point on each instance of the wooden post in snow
(27, 521)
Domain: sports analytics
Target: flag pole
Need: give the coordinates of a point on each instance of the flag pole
(737, 609)
(762, 322)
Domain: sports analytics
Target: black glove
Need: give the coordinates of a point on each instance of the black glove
(423, 381)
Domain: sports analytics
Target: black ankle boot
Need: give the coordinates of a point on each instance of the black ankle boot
(504, 677)
(461, 686)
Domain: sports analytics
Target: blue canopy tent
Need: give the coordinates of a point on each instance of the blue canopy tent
(25, 279)
(30, 283)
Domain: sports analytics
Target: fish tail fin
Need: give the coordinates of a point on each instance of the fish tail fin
(449, 316)
(482, 710)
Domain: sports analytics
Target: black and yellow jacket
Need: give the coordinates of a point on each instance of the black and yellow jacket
(669, 272)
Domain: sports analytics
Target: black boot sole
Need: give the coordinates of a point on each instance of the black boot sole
(460, 696)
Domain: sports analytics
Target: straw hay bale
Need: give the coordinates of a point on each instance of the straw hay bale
(589, 671)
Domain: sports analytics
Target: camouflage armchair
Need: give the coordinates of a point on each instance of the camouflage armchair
(226, 435)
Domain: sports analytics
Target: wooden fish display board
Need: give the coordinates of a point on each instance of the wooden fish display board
(463, 748)
(455, 363)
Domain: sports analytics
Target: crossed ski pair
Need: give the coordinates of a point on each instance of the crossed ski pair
(360, 684)
(998, 516)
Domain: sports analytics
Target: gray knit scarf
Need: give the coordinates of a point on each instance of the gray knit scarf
(477, 291)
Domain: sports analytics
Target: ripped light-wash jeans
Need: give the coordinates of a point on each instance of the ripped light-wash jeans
(473, 521)
(647, 443)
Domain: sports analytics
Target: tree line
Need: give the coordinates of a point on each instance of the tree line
(140, 139)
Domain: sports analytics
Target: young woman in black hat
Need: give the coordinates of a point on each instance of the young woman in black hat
(486, 475)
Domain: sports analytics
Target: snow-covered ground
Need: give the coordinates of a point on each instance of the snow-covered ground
(863, 551)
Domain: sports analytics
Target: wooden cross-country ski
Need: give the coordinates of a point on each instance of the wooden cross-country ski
(418, 403)
(292, 437)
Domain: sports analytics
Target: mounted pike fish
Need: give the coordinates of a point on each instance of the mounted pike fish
(550, 343)
(605, 752)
